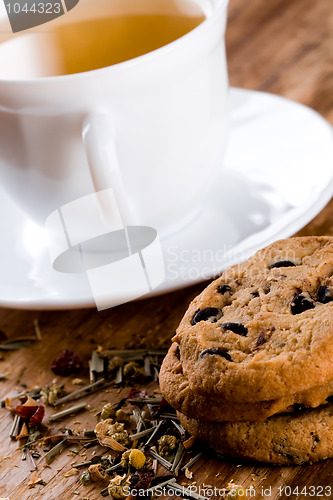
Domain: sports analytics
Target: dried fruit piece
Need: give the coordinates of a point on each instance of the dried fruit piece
(223, 289)
(212, 314)
(37, 417)
(25, 412)
(236, 328)
(66, 364)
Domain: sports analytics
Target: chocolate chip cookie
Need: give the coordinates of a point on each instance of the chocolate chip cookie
(176, 390)
(264, 329)
(286, 439)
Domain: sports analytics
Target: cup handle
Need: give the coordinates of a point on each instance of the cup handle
(98, 134)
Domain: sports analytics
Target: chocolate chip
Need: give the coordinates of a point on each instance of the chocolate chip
(325, 294)
(255, 294)
(207, 314)
(300, 304)
(219, 352)
(236, 328)
(282, 263)
(223, 289)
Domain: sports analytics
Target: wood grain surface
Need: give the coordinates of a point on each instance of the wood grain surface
(279, 46)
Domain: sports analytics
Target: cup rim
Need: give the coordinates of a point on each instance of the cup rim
(220, 7)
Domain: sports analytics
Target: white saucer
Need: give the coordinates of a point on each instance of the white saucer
(277, 176)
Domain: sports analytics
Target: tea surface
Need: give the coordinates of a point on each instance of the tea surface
(102, 42)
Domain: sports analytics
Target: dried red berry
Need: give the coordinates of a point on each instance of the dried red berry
(37, 417)
(141, 480)
(67, 364)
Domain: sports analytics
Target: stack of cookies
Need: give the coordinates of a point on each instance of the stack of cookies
(250, 370)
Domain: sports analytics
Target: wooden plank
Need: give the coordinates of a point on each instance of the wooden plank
(284, 47)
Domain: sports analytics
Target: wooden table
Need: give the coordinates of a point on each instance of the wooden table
(279, 46)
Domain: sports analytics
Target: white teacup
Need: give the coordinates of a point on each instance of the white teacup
(152, 128)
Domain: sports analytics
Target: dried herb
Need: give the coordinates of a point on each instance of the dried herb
(192, 461)
(16, 344)
(69, 411)
(166, 464)
(15, 429)
(30, 461)
(55, 451)
(186, 492)
(89, 389)
(96, 366)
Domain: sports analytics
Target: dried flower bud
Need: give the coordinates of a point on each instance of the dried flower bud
(132, 369)
(114, 363)
(107, 411)
(112, 434)
(51, 394)
(96, 472)
(117, 486)
(125, 458)
(167, 445)
(121, 416)
(137, 459)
